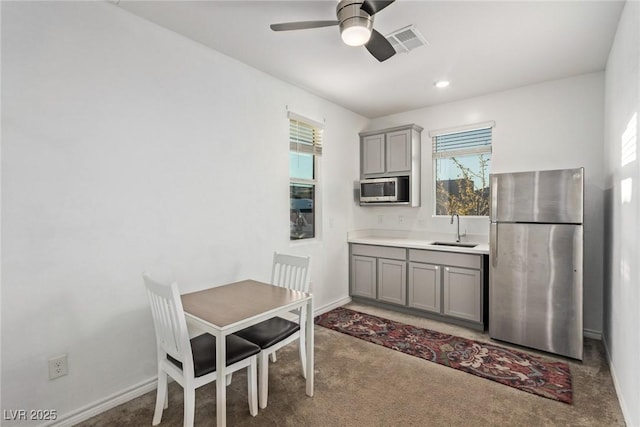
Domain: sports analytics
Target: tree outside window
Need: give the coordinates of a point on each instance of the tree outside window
(461, 165)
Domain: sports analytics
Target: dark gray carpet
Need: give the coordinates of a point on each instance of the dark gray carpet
(362, 384)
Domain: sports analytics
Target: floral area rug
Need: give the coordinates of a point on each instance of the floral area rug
(510, 367)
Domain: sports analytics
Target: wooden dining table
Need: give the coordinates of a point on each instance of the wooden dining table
(223, 310)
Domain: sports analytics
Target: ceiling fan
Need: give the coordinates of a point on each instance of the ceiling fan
(355, 19)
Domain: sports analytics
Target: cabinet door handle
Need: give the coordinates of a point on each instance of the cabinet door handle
(447, 268)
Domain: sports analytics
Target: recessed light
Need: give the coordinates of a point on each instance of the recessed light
(441, 83)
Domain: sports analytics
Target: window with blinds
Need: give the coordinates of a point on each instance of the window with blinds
(305, 148)
(461, 164)
(304, 137)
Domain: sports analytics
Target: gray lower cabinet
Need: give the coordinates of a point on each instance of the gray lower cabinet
(379, 272)
(424, 286)
(363, 276)
(462, 293)
(392, 281)
(448, 285)
(459, 289)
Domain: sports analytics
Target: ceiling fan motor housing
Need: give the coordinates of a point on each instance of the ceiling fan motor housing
(350, 15)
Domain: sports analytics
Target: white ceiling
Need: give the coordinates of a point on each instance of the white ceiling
(480, 46)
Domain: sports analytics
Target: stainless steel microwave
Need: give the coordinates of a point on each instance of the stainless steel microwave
(385, 190)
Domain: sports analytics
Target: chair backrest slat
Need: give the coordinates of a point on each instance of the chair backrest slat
(172, 336)
(290, 271)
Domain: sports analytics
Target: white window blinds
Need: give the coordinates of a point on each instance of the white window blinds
(305, 135)
(462, 142)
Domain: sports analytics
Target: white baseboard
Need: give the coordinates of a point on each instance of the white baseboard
(102, 405)
(590, 333)
(616, 385)
(328, 307)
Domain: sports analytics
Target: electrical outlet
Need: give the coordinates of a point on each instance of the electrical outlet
(58, 367)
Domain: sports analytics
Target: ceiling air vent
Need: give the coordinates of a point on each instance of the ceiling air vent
(406, 39)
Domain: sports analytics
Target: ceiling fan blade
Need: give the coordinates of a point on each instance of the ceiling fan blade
(373, 7)
(302, 25)
(379, 47)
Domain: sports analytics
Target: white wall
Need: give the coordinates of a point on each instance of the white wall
(622, 207)
(553, 125)
(127, 148)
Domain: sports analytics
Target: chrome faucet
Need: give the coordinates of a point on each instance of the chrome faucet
(458, 235)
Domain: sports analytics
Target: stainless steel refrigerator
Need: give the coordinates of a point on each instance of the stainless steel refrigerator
(536, 260)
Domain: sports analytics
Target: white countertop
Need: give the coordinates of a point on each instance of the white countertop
(420, 240)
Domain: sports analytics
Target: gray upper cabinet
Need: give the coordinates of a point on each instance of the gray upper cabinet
(390, 152)
(393, 152)
(398, 156)
(372, 151)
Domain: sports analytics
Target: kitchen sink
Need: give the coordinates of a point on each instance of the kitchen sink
(456, 244)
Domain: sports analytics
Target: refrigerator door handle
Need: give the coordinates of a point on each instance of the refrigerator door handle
(493, 197)
(493, 240)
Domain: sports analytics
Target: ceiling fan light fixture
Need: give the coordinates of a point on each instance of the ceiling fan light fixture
(356, 31)
(356, 36)
(355, 21)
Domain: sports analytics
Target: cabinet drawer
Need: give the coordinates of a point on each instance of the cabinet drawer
(446, 258)
(379, 251)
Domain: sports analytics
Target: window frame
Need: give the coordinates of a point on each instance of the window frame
(315, 150)
(464, 152)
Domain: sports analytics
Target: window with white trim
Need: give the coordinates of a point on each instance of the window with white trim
(461, 162)
(305, 148)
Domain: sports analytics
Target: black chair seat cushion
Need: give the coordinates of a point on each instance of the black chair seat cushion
(203, 348)
(267, 333)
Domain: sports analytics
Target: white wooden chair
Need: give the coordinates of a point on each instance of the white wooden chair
(291, 272)
(192, 363)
